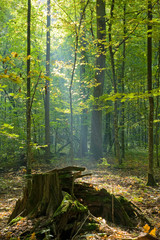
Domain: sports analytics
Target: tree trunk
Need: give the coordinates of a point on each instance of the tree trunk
(107, 143)
(84, 126)
(122, 88)
(151, 181)
(28, 90)
(47, 94)
(117, 146)
(157, 110)
(96, 124)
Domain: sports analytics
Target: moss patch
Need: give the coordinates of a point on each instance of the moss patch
(67, 203)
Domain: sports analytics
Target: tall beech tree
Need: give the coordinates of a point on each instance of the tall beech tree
(123, 86)
(157, 109)
(96, 121)
(114, 79)
(84, 94)
(28, 89)
(157, 124)
(151, 181)
(47, 90)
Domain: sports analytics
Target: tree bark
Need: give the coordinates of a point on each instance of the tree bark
(107, 143)
(84, 94)
(117, 146)
(47, 93)
(45, 194)
(151, 181)
(122, 87)
(157, 110)
(96, 121)
(42, 198)
(28, 154)
(101, 203)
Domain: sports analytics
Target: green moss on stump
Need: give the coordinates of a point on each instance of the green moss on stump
(68, 203)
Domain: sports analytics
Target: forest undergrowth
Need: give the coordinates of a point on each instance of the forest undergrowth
(128, 181)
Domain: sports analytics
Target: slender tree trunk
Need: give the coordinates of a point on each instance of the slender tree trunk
(96, 124)
(47, 94)
(71, 91)
(157, 110)
(122, 87)
(107, 143)
(145, 126)
(84, 134)
(28, 90)
(71, 104)
(156, 132)
(84, 126)
(55, 144)
(117, 146)
(71, 126)
(151, 181)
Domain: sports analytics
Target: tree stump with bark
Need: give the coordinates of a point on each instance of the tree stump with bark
(66, 205)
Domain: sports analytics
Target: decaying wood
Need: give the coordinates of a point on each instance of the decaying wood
(43, 198)
(99, 202)
(66, 204)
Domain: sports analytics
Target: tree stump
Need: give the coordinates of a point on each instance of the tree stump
(64, 205)
(42, 199)
(68, 217)
(105, 205)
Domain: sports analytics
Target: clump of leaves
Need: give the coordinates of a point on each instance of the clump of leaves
(15, 220)
(33, 236)
(146, 229)
(104, 162)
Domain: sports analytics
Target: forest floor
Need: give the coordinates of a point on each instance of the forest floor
(129, 181)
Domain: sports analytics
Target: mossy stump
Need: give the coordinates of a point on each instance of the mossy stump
(64, 205)
(42, 199)
(103, 204)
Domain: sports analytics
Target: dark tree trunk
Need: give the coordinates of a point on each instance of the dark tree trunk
(84, 134)
(96, 124)
(107, 143)
(84, 93)
(117, 146)
(28, 90)
(122, 88)
(157, 111)
(47, 93)
(151, 181)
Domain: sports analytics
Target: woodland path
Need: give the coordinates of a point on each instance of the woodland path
(127, 182)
